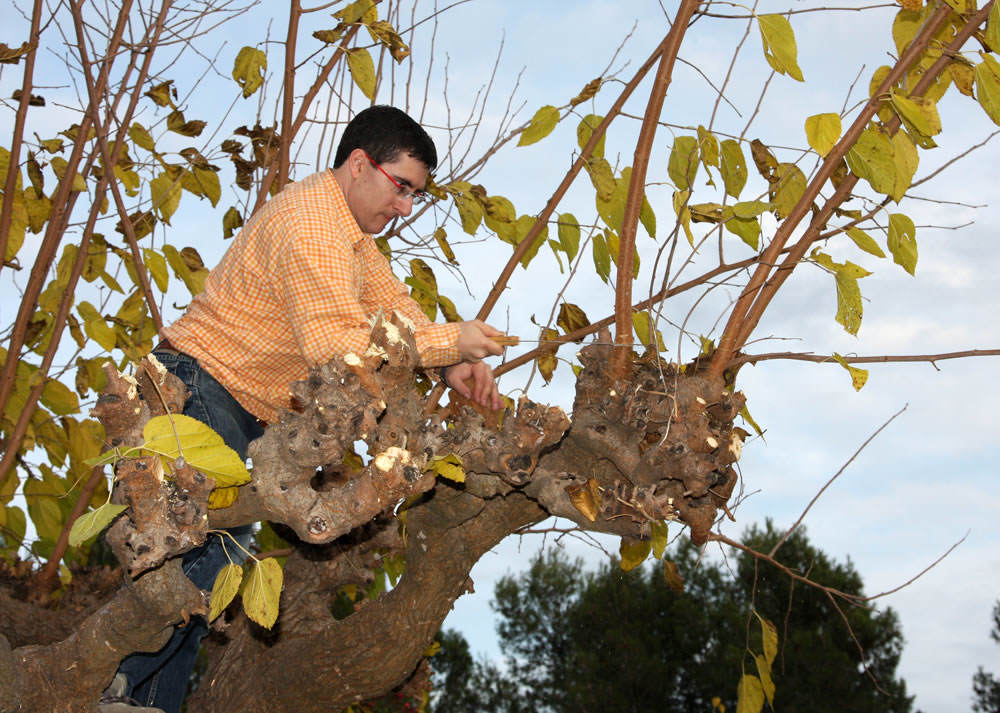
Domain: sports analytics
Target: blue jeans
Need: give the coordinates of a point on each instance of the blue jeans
(160, 679)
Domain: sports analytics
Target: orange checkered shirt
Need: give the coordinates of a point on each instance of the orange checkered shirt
(298, 286)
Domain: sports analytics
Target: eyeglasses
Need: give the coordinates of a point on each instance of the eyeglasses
(401, 190)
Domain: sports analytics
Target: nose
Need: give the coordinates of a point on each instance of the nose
(406, 203)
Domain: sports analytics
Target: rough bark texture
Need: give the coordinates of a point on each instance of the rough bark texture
(659, 445)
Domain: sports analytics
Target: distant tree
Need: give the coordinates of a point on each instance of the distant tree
(985, 686)
(626, 641)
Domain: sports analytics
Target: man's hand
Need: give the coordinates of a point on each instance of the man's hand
(484, 389)
(474, 342)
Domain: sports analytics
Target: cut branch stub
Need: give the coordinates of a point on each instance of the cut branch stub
(660, 445)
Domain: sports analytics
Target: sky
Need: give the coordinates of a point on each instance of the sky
(927, 481)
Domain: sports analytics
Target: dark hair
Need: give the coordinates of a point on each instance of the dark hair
(384, 132)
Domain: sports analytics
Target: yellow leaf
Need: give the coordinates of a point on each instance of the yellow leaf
(469, 210)
(585, 130)
(449, 466)
(823, 132)
(918, 113)
(59, 398)
(540, 126)
(963, 74)
(988, 86)
(769, 635)
(780, 50)
(157, 266)
(227, 584)
(658, 529)
(683, 164)
(633, 552)
(767, 683)
(750, 695)
(362, 70)
(864, 241)
(442, 240)
(569, 234)
(602, 177)
(571, 318)
(846, 276)
(673, 577)
(222, 498)
(905, 159)
(790, 186)
(992, 35)
(91, 523)
(261, 592)
(586, 498)
(140, 136)
(871, 158)
(166, 195)
(59, 167)
(709, 147)
(734, 167)
(903, 242)
(859, 377)
(201, 447)
(248, 69)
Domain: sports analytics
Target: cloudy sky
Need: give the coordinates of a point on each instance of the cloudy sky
(927, 481)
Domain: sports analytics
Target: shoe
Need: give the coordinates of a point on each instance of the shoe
(114, 700)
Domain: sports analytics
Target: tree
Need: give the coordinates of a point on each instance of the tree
(611, 640)
(985, 686)
(98, 194)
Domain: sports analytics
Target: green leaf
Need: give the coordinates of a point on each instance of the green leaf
(859, 377)
(709, 147)
(261, 592)
(449, 466)
(642, 323)
(569, 235)
(647, 217)
(201, 447)
(194, 279)
(585, 130)
(43, 507)
(865, 242)
(227, 584)
(749, 695)
(988, 86)
(684, 213)
(658, 537)
(871, 158)
(540, 126)
(362, 70)
(903, 242)
(633, 552)
(423, 285)
(734, 167)
(683, 164)
(248, 69)
(91, 523)
(780, 50)
(823, 132)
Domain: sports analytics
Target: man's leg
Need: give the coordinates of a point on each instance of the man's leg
(160, 679)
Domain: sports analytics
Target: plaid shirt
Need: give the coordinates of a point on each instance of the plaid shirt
(299, 285)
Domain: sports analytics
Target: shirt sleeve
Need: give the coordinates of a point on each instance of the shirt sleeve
(437, 344)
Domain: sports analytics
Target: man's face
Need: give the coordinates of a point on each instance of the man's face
(378, 201)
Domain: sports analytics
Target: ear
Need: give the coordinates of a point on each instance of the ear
(356, 161)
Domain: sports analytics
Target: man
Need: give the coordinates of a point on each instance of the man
(297, 287)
